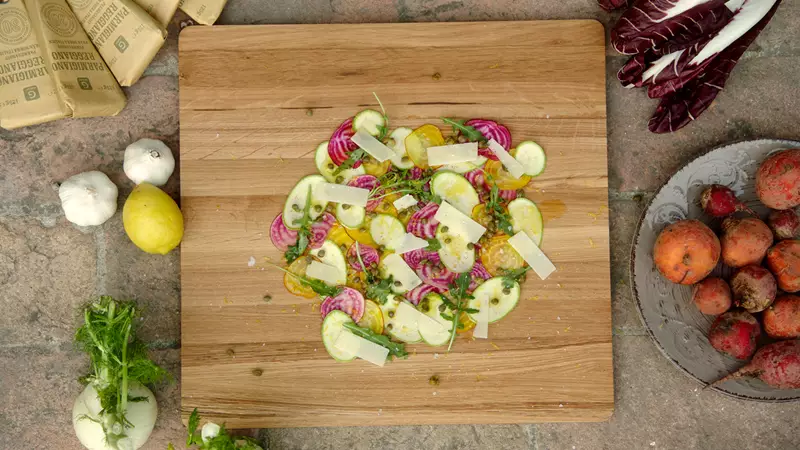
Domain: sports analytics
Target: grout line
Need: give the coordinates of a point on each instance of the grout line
(100, 262)
(531, 430)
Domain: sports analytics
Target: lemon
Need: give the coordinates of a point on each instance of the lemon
(152, 219)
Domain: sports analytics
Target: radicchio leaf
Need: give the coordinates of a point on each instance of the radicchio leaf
(672, 72)
(678, 109)
(610, 5)
(665, 26)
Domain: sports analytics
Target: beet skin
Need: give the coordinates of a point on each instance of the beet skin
(735, 333)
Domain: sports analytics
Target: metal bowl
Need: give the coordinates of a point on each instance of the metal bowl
(678, 329)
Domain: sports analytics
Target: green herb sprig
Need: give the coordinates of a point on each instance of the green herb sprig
(395, 349)
(298, 248)
(377, 289)
(383, 130)
(354, 157)
(499, 214)
(318, 286)
(457, 303)
(469, 132)
(511, 277)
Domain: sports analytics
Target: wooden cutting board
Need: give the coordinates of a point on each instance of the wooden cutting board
(256, 100)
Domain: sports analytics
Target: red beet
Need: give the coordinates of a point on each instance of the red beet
(778, 180)
(785, 224)
(782, 319)
(720, 201)
(744, 241)
(712, 296)
(776, 364)
(754, 288)
(735, 333)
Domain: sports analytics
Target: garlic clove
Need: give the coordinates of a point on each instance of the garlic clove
(148, 160)
(88, 198)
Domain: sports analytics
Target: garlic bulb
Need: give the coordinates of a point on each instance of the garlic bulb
(88, 198)
(148, 160)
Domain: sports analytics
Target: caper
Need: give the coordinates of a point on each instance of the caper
(230, 352)
(495, 301)
(257, 372)
(390, 314)
(321, 253)
(331, 166)
(442, 308)
(506, 291)
(295, 207)
(434, 380)
(448, 240)
(388, 325)
(397, 284)
(345, 207)
(318, 208)
(362, 229)
(470, 246)
(339, 179)
(405, 159)
(445, 229)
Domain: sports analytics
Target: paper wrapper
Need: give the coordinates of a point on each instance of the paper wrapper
(203, 11)
(124, 34)
(84, 84)
(27, 93)
(161, 10)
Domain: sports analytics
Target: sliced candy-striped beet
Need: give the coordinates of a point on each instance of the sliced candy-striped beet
(281, 236)
(491, 130)
(415, 173)
(369, 256)
(422, 224)
(368, 182)
(416, 258)
(436, 275)
(340, 146)
(320, 229)
(349, 300)
(419, 292)
(478, 272)
(507, 194)
(476, 178)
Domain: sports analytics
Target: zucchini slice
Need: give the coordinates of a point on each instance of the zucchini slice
(296, 201)
(499, 299)
(456, 190)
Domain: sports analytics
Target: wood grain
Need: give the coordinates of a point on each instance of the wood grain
(255, 102)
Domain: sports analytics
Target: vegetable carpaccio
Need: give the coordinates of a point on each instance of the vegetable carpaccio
(347, 256)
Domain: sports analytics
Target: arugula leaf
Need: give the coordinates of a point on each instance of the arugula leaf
(514, 276)
(318, 286)
(381, 290)
(433, 245)
(471, 133)
(355, 156)
(395, 349)
(295, 250)
(458, 304)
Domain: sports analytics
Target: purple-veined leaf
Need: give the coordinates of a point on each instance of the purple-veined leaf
(678, 109)
(664, 26)
(610, 5)
(669, 73)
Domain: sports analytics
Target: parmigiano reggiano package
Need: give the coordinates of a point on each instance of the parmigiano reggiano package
(84, 84)
(27, 93)
(161, 10)
(203, 11)
(124, 34)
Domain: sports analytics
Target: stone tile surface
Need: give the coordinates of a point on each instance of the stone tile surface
(658, 407)
(461, 437)
(45, 275)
